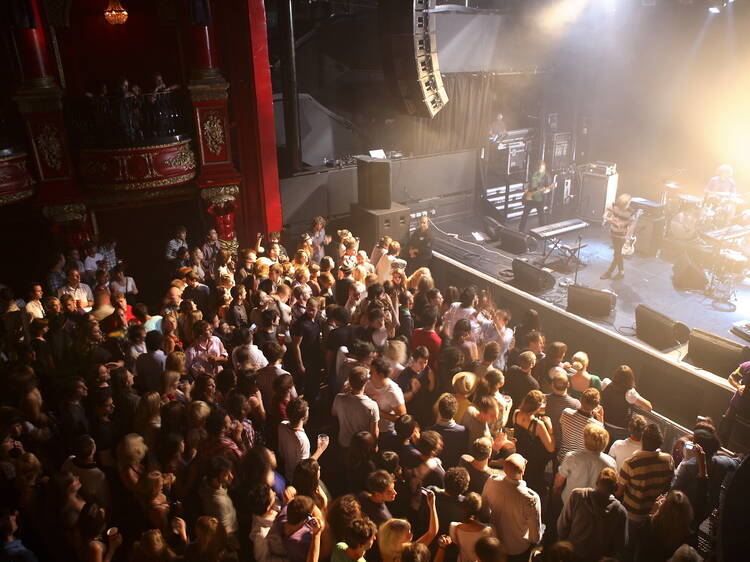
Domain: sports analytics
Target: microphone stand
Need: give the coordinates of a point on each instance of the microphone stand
(578, 260)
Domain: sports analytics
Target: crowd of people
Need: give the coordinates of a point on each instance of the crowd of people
(324, 404)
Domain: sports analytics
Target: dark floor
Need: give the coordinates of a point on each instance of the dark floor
(647, 280)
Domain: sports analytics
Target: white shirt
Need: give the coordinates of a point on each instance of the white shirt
(515, 512)
(294, 446)
(383, 268)
(91, 262)
(128, 287)
(81, 293)
(355, 412)
(581, 470)
(622, 449)
(456, 313)
(257, 359)
(388, 399)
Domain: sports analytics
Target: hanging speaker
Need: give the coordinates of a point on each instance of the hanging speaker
(409, 55)
(659, 330)
(586, 301)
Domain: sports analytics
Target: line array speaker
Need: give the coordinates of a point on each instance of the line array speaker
(659, 330)
(409, 54)
(714, 353)
(374, 182)
(586, 301)
(531, 278)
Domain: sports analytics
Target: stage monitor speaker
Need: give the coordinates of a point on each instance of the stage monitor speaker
(596, 193)
(716, 354)
(649, 233)
(510, 239)
(374, 182)
(409, 55)
(658, 330)
(531, 278)
(371, 224)
(688, 276)
(586, 301)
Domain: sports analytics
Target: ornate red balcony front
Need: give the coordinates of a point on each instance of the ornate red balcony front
(138, 168)
(16, 183)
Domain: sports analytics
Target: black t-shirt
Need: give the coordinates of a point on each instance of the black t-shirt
(518, 384)
(343, 335)
(377, 512)
(341, 290)
(309, 331)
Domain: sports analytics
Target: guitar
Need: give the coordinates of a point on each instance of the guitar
(528, 194)
(629, 247)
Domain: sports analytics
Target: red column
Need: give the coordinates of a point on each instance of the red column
(218, 179)
(243, 24)
(40, 103)
(254, 192)
(32, 48)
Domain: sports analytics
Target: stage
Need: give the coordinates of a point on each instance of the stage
(648, 280)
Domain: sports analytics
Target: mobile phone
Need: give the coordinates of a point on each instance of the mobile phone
(689, 447)
(253, 327)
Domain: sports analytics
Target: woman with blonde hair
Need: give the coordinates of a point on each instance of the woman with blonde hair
(581, 379)
(172, 341)
(395, 534)
(152, 548)
(197, 415)
(131, 450)
(414, 280)
(150, 493)
(534, 439)
(148, 417)
(176, 362)
(396, 355)
(210, 544)
(170, 392)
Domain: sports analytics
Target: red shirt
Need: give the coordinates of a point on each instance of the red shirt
(430, 340)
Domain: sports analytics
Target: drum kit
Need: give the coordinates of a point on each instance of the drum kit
(721, 221)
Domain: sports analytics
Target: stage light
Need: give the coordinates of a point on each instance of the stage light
(714, 9)
(115, 13)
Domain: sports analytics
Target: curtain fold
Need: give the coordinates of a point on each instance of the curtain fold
(464, 121)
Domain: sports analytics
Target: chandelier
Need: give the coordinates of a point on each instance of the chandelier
(115, 13)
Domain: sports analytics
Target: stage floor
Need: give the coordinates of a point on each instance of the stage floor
(648, 280)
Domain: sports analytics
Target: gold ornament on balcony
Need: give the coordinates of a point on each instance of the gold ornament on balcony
(115, 13)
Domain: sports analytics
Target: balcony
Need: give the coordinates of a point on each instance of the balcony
(16, 182)
(134, 143)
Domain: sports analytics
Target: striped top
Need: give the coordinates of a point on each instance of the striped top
(619, 220)
(645, 476)
(570, 439)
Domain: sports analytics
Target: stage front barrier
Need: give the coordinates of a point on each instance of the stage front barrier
(679, 392)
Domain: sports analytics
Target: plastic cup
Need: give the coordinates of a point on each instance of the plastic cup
(112, 531)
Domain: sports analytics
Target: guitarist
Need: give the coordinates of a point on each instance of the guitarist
(533, 198)
(619, 216)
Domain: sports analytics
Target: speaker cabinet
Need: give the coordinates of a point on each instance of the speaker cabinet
(374, 182)
(409, 55)
(658, 330)
(586, 301)
(596, 193)
(371, 224)
(688, 276)
(649, 233)
(531, 278)
(714, 353)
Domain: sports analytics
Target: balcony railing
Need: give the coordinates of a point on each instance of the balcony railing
(120, 121)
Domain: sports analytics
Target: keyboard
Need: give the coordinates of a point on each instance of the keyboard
(727, 234)
(558, 228)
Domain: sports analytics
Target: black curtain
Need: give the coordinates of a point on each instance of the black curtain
(463, 122)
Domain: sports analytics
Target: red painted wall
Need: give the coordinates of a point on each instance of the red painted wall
(92, 49)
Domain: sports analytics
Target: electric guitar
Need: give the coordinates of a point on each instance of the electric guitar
(529, 194)
(629, 247)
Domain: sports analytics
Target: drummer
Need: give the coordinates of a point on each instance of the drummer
(722, 183)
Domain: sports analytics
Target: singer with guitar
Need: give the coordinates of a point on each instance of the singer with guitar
(620, 218)
(533, 198)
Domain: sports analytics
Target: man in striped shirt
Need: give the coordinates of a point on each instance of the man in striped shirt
(572, 423)
(619, 216)
(643, 477)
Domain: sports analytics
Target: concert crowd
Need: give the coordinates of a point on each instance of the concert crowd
(326, 403)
